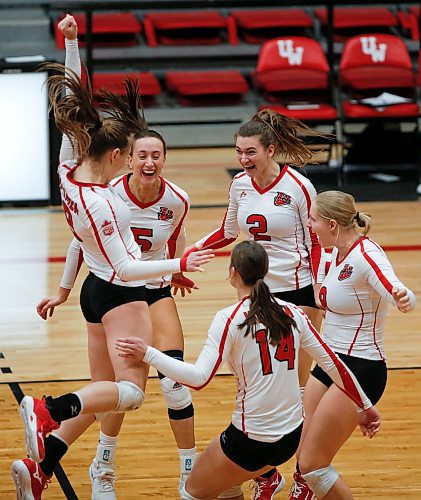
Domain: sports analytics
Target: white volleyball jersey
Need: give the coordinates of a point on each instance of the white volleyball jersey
(276, 217)
(100, 222)
(158, 226)
(268, 400)
(354, 293)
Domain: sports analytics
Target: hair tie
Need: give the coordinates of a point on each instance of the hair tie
(357, 216)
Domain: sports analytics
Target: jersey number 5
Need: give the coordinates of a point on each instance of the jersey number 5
(284, 352)
(259, 228)
(139, 234)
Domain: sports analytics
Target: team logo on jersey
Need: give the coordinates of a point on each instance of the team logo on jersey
(165, 213)
(282, 199)
(345, 272)
(243, 194)
(107, 228)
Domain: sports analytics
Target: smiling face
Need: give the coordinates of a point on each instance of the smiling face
(147, 159)
(325, 229)
(252, 155)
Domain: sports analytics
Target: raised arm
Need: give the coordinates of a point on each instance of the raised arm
(68, 27)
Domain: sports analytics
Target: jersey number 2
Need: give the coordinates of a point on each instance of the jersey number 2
(284, 352)
(259, 228)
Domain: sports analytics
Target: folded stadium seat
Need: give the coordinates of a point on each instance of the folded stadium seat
(149, 84)
(257, 26)
(184, 28)
(207, 87)
(371, 65)
(351, 21)
(409, 21)
(293, 75)
(108, 29)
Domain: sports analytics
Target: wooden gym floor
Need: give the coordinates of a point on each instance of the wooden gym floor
(38, 357)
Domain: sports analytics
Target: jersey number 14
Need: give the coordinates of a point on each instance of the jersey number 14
(284, 352)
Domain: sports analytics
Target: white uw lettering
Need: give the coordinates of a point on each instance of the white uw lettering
(287, 51)
(370, 47)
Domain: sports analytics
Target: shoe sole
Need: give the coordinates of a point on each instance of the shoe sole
(22, 479)
(279, 487)
(30, 422)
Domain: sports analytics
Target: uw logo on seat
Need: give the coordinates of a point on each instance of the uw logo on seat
(288, 51)
(370, 47)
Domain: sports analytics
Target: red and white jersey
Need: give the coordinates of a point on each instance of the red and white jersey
(158, 226)
(276, 217)
(100, 222)
(268, 401)
(354, 293)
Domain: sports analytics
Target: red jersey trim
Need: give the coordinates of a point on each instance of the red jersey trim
(382, 278)
(273, 184)
(349, 386)
(172, 240)
(133, 197)
(82, 184)
(221, 347)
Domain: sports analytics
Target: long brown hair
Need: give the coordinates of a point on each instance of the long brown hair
(91, 134)
(252, 263)
(285, 133)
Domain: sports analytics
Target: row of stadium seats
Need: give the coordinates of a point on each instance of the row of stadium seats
(254, 26)
(293, 77)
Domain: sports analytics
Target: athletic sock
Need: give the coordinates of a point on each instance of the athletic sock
(106, 449)
(64, 407)
(187, 458)
(55, 449)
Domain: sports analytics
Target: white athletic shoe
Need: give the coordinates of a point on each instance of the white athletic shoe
(102, 479)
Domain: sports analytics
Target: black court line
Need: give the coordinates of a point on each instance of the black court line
(22, 382)
(62, 479)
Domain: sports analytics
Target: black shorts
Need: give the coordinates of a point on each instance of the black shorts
(301, 297)
(98, 296)
(155, 294)
(252, 455)
(372, 375)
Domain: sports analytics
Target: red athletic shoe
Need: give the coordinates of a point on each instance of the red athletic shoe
(29, 479)
(265, 488)
(38, 423)
(300, 490)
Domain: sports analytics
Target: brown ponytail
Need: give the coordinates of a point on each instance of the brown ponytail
(285, 133)
(90, 134)
(251, 262)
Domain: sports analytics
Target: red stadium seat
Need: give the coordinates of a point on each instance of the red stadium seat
(351, 21)
(200, 87)
(293, 74)
(370, 65)
(257, 26)
(149, 84)
(110, 29)
(409, 21)
(184, 28)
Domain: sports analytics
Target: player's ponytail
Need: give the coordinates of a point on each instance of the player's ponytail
(251, 261)
(340, 206)
(285, 133)
(76, 116)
